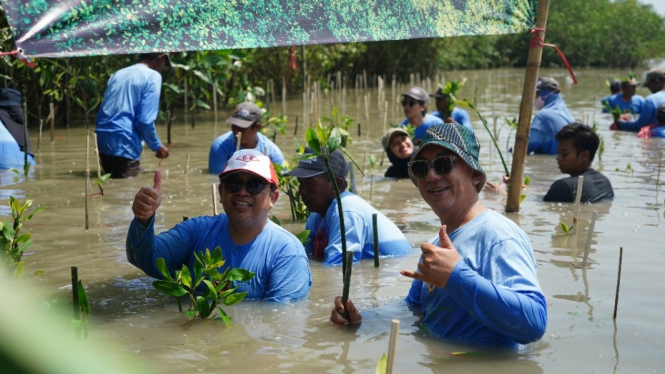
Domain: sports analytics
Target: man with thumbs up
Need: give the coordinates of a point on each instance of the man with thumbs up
(476, 280)
(249, 240)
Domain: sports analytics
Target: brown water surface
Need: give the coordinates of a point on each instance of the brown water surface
(581, 336)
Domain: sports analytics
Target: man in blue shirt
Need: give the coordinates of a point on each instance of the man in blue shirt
(246, 123)
(615, 88)
(414, 104)
(318, 194)
(476, 280)
(13, 141)
(655, 81)
(626, 100)
(128, 114)
(249, 240)
(552, 116)
(458, 115)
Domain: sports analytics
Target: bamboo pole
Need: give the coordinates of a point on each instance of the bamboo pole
(186, 92)
(367, 115)
(186, 164)
(526, 109)
(75, 298)
(352, 178)
(578, 199)
(295, 130)
(99, 173)
(87, 178)
(214, 102)
(25, 135)
(616, 297)
(39, 138)
(589, 237)
(52, 118)
(283, 96)
(392, 345)
(214, 198)
(375, 232)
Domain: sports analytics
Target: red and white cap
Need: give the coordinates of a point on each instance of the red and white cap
(251, 161)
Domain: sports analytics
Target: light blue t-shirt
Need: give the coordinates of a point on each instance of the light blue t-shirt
(128, 112)
(460, 116)
(634, 106)
(547, 123)
(648, 115)
(428, 122)
(275, 255)
(11, 156)
(493, 297)
(359, 233)
(225, 145)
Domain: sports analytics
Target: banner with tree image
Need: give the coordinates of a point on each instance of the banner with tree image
(67, 28)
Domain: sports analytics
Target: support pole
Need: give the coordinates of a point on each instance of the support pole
(526, 108)
(392, 345)
(75, 298)
(52, 118)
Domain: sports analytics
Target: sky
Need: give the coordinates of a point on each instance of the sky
(658, 5)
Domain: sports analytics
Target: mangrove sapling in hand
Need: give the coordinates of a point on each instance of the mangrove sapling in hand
(217, 287)
(84, 310)
(14, 243)
(450, 90)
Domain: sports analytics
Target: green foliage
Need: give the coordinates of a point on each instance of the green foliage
(84, 310)
(382, 365)
(289, 185)
(450, 90)
(565, 228)
(628, 169)
(12, 241)
(615, 112)
(218, 286)
(303, 236)
(103, 179)
(342, 124)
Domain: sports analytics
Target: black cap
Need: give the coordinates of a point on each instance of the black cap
(311, 167)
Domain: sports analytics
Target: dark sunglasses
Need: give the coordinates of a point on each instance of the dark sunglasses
(253, 186)
(409, 103)
(443, 165)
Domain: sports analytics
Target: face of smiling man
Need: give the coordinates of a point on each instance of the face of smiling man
(245, 210)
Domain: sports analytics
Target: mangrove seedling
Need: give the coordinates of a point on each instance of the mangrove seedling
(289, 185)
(565, 228)
(615, 112)
(382, 365)
(12, 241)
(103, 179)
(450, 90)
(217, 287)
(84, 307)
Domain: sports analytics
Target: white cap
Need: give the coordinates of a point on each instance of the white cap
(251, 161)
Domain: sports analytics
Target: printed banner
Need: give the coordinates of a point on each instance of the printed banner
(65, 28)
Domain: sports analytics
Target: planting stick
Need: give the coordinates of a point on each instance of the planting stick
(25, 135)
(371, 185)
(295, 130)
(214, 198)
(186, 104)
(383, 154)
(186, 164)
(352, 177)
(239, 139)
(283, 96)
(304, 108)
(358, 128)
(660, 161)
(274, 98)
(214, 102)
(52, 118)
(616, 297)
(348, 263)
(363, 167)
(578, 198)
(99, 174)
(39, 139)
(75, 298)
(588, 239)
(385, 116)
(375, 231)
(367, 114)
(87, 177)
(392, 345)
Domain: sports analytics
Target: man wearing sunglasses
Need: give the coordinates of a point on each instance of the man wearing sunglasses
(249, 240)
(476, 280)
(318, 194)
(246, 121)
(414, 104)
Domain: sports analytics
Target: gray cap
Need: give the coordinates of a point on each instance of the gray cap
(548, 84)
(653, 74)
(385, 141)
(245, 114)
(311, 167)
(417, 93)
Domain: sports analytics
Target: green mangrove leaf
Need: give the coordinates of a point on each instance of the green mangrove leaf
(170, 288)
(276, 220)
(19, 270)
(211, 292)
(240, 275)
(235, 298)
(84, 304)
(224, 317)
(37, 273)
(527, 180)
(161, 265)
(203, 307)
(186, 276)
(382, 365)
(77, 323)
(335, 140)
(312, 140)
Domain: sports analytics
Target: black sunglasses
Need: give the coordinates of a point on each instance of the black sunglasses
(443, 165)
(253, 186)
(409, 103)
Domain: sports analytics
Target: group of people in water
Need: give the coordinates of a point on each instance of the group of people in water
(476, 279)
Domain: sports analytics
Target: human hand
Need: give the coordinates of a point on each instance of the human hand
(495, 187)
(147, 200)
(625, 117)
(162, 152)
(437, 263)
(338, 311)
(506, 179)
(645, 132)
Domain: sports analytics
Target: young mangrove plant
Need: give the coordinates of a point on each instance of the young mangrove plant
(84, 309)
(565, 228)
(290, 185)
(450, 90)
(103, 179)
(615, 112)
(217, 287)
(12, 241)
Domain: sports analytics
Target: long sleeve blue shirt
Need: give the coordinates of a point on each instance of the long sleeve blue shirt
(11, 155)
(547, 123)
(275, 255)
(224, 145)
(129, 111)
(648, 115)
(428, 122)
(493, 297)
(633, 106)
(358, 231)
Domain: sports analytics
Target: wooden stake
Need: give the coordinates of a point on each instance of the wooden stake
(214, 102)
(75, 298)
(295, 130)
(87, 178)
(526, 109)
(99, 174)
(371, 185)
(660, 161)
(392, 345)
(187, 164)
(375, 231)
(238, 139)
(578, 198)
(284, 96)
(52, 118)
(616, 297)
(352, 177)
(25, 134)
(39, 138)
(186, 100)
(214, 198)
(367, 115)
(588, 238)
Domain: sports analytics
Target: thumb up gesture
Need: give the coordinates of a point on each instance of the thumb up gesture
(436, 263)
(147, 200)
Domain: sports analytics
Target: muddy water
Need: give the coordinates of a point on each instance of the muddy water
(581, 335)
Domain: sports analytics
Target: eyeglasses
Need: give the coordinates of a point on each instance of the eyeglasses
(409, 103)
(253, 186)
(442, 165)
